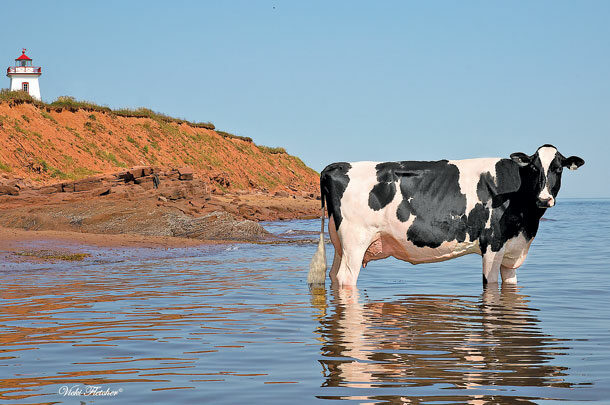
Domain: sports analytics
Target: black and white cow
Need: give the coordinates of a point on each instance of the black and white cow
(423, 212)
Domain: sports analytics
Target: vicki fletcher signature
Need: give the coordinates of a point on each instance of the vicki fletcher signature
(87, 390)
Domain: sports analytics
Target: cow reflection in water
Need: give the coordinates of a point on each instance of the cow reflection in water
(422, 340)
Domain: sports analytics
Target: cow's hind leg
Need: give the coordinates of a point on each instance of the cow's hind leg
(509, 275)
(491, 266)
(354, 244)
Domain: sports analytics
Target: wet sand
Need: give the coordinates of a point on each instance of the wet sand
(12, 239)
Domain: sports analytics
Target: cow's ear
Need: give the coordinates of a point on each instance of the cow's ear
(573, 162)
(521, 159)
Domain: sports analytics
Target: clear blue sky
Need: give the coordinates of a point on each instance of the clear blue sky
(343, 80)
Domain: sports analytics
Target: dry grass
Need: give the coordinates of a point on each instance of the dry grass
(273, 151)
(71, 104)
(229, 135)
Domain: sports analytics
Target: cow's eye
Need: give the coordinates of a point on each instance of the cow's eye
(558, 169)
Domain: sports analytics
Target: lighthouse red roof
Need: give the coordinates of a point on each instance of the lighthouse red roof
(23, 55)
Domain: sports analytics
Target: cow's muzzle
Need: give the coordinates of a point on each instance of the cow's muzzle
(545, 202)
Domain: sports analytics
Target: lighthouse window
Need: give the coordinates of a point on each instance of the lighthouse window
(25, 86)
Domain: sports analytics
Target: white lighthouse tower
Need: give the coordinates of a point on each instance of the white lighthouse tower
(24, 76)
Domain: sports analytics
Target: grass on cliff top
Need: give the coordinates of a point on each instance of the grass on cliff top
(229, 135)
(272, 151)
(71, 104)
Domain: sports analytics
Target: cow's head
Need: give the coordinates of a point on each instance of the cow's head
(544, 172)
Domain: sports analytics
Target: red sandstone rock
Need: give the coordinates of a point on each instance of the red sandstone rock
(185, 173)
(9, 190)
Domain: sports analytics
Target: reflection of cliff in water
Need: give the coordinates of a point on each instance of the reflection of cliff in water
(422, 340)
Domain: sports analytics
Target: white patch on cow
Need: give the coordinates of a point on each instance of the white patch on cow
(470, 173)
(546, 155)
(515, 251)
(573, 166)
(446, 251)
(489, 208)
(355, 203)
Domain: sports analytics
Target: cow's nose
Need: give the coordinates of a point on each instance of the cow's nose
(546, 202)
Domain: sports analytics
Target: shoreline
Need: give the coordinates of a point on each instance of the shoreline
(22, 249)
(173, 209)
(12, 239)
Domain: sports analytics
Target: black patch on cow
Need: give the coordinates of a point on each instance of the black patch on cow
(431, 192)
(477, 218)
(512, 196)
(384, 191)
(403, 212)
(333, 182)
(508, 178)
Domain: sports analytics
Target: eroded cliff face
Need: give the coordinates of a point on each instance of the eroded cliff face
(46, 146)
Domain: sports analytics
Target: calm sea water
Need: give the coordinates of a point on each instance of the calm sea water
(236, 324)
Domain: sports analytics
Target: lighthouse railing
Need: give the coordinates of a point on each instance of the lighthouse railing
(24, 69)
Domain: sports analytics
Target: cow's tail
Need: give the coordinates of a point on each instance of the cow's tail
(317, 266)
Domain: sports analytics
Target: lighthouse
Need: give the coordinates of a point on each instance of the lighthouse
(24, 76)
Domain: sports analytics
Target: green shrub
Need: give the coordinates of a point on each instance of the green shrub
(47, 116)
(44, 164)
(229, 135)
(5, 168)
(18, 96)
(133, 141)
(70, 103)
(110, 157)
(206, 125)
(272, 151)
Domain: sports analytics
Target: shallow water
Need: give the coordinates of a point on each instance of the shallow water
(236, 324)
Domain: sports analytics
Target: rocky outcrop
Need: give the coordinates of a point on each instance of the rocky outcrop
(146, 200)
(174, 184)
(217, 225)
(112, 217)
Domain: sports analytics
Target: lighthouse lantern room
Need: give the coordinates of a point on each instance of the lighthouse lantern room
(24, 76)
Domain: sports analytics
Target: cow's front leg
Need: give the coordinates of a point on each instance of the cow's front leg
(491, 266)
(509, 275)
(336, 263)
(334, 238)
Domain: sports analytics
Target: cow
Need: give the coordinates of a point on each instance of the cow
(431, 211)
